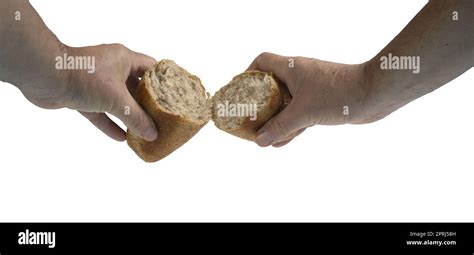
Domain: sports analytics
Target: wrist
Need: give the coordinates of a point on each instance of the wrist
(41, 81)
(378, 101)
(64, 87)
(357, 101)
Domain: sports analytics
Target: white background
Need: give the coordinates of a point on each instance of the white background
(415, 165)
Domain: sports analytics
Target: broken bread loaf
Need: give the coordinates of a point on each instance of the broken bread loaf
(246, 103)
(178, 104)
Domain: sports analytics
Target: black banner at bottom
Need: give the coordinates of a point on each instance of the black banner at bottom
(291, 238)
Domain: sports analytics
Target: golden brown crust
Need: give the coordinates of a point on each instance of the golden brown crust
(173, 130)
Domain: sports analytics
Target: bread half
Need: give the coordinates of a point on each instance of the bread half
(246, 103)
(178, 104)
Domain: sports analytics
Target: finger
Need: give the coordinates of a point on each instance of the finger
(278, 128)
(292, 136)
(140, 63)
(269, 62)
(106, 125)
(134, 117)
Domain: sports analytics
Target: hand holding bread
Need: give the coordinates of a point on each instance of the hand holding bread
(117, 70)
(323, 93)
(286, 94)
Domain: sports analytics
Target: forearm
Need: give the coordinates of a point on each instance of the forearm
(443, 46)
(27, 47)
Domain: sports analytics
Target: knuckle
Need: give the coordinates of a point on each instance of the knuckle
(119, 47)
(280, 128)
(261, 60)
(262, 56)
(138, 121)
(110, 104)
(93, 117)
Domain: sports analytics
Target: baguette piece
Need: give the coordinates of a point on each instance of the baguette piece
(247, 103)
(178, 104)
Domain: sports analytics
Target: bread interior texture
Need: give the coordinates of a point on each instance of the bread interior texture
(179, 92)
(245, 91)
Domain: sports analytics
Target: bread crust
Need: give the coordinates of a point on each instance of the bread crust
(248, 128)
(173, 130)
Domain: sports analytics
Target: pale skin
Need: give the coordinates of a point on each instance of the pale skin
(322, 91)
(27, 59)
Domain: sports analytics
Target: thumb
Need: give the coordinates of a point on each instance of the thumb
(279, 128)
(134, 117)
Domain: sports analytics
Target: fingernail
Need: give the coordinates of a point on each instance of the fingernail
(150, 134)
(264, 139)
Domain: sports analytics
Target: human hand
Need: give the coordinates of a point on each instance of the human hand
(323, 93)
(107, 90)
